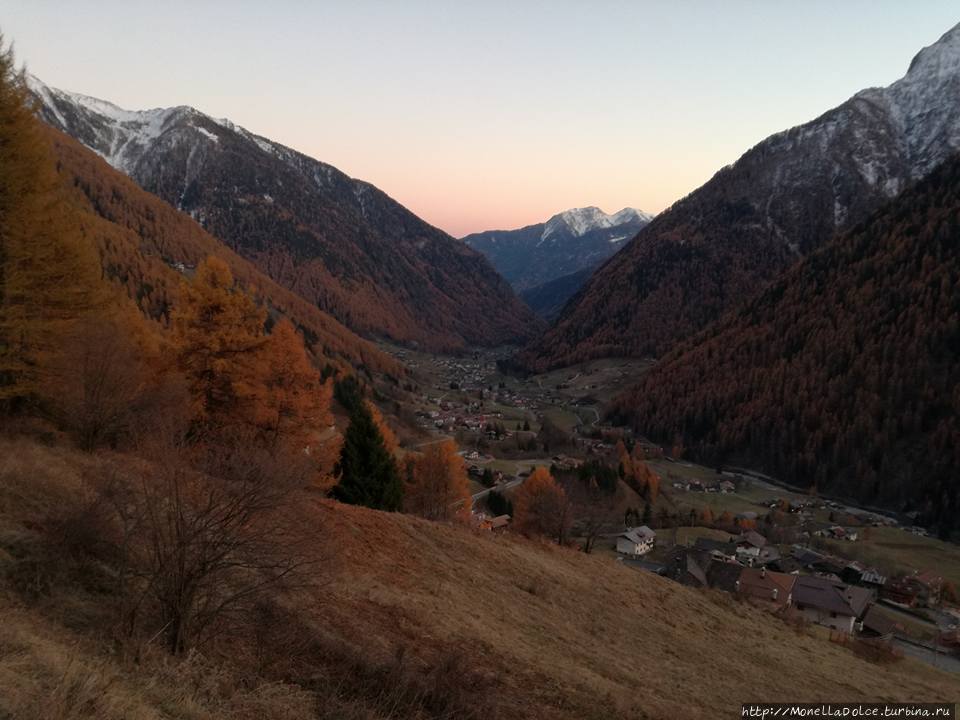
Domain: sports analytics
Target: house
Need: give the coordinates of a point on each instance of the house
(856, 573)
(636, 541)
(877, 623)
(717, 549)
(752, 538)
(830, 603)
(499, 523)
(688, 567)
(726, 486)
(770, 588)
(787, 565)
(748, 556)
(724, 575)
(920, 589)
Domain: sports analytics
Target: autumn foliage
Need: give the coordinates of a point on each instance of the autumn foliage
(437, 486)
(541, 507)
(48, 277)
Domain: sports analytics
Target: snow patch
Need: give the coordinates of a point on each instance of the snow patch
(211, 136)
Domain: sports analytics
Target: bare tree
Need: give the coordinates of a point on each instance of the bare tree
(595, 511)
(205, 532)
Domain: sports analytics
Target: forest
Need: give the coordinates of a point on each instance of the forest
(842, 376)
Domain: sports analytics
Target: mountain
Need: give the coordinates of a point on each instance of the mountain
(844, 374)
(781, 200)
(549, 299)
(340, 243)
(146, 247)
(567, 243)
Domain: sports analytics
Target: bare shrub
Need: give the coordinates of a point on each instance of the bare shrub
(203, 532)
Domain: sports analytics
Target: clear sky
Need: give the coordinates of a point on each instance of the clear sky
(488, 114)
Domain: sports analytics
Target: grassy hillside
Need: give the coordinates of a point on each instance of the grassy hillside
(406, 618)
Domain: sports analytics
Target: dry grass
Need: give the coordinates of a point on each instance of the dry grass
(415, 620)
(610, 637)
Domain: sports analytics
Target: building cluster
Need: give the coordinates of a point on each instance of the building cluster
(821, 588)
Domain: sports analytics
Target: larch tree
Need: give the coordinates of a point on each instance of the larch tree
(48, 276)
(290, 404)
(438, 488)
(541, 507)
(218, 330)
(367, 472)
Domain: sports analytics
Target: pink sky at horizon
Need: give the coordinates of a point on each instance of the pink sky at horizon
(493, 115)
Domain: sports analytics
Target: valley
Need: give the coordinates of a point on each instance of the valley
(278, 443)
(506, 426)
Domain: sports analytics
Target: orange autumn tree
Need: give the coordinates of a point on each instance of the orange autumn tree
(290, 404)
(438, 488)
(540, 507)
(389, 437)
(623, 457)
(48, 276)
(217, 330)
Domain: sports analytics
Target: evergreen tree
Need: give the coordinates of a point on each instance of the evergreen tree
(368, 473)
(498, 504)
(487, 479)
(348, 393)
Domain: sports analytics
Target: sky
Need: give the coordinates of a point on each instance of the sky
(488, 115)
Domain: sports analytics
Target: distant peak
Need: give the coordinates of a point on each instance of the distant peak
(579, 221)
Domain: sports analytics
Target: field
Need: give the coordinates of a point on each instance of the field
(894, 550)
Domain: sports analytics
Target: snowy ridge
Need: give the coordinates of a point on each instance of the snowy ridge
(122, 137)
(579, 221)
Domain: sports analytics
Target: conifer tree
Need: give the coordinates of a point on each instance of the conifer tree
(438, 488)
(290, 402)
(48, 276)
(217, 330)
(368, 473)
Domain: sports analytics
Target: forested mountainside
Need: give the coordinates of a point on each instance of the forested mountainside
(781, 200)
(567, 243)
(146, 247)
(844, 375)
(548, 300)
(339, 243)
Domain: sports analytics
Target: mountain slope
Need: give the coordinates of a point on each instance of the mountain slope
(567, 243)
(782, 199)
(844, 374)
(549, 299)
(409, 615)
(145, 245)
(340, 243)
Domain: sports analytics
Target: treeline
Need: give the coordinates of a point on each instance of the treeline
(843, 375)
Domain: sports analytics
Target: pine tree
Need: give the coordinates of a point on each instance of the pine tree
(48, 276)
(368, 473)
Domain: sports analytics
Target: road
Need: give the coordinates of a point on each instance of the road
(939, 660)
(499, 488)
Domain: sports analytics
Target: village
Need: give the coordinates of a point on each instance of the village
(857, 573)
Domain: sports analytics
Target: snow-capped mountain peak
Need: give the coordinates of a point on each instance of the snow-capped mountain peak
(579, 221)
